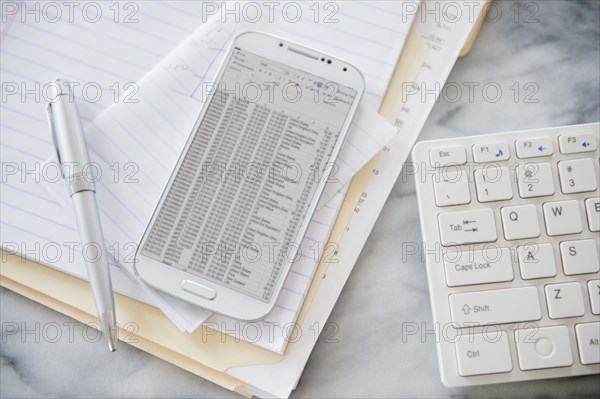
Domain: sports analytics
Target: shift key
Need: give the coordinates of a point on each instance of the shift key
(510, 305)
(467, 227)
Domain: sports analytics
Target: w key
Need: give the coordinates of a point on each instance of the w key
(562, 217)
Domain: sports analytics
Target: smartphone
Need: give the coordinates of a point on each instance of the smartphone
(228, 226)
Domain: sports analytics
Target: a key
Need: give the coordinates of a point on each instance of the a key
(535, 147)
(592, 208)
(579, 256)
(562, 217)
(493, 184)
(536, 261)
(520, 222)
(544, 347)
(588, 342)
(486, 353)
(564, 300)
(451, 188)
(454, 155)
(574, 143)
(577, 176)
(467, 227)
(479, 266)
(535, 180)
(491, 152)
(594, 293)
(508, 305)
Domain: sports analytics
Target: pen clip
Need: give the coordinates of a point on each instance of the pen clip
(54, 139)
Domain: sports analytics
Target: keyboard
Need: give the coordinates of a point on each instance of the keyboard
(510, 226)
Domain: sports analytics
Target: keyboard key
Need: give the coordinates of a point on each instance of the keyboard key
(536, 147)
(579, 257)
(467, 227)
(452, 188)
(493, 184)
(562, 217)
(454, 155)
(480, 266)
(588, 342)
(536, 261)
(577, 176)
(574, 143)
(491, 152)
(520, 222)
(508, 305)
(535, 180)
(544, 347)
(592, 207)
(483, 353)
(594, 293)
(564, 300)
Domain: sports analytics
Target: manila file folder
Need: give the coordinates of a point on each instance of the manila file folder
(236, 365)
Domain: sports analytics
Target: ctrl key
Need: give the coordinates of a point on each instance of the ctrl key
(484, 353)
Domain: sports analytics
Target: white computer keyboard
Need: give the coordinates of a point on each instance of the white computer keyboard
(510, 227)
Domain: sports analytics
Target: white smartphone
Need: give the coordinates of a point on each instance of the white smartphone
(229, 223)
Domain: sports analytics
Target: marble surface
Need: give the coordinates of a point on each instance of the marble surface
(559, 55)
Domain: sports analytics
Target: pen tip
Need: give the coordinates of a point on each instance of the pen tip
(112, 338)
(112, 345)
(108, 326)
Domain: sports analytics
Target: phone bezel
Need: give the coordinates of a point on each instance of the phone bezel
(229, 302)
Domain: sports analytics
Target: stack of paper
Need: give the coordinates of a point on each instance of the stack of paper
(136, 145)
(36, 216)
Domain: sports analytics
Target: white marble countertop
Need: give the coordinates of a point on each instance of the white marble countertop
(553, 57)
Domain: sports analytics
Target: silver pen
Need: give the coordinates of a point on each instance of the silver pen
(72, 152)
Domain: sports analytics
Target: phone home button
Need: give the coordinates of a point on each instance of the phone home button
(197, 289)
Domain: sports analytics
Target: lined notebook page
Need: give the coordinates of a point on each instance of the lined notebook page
(152, 132)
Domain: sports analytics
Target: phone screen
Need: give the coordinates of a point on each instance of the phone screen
(241, 192)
